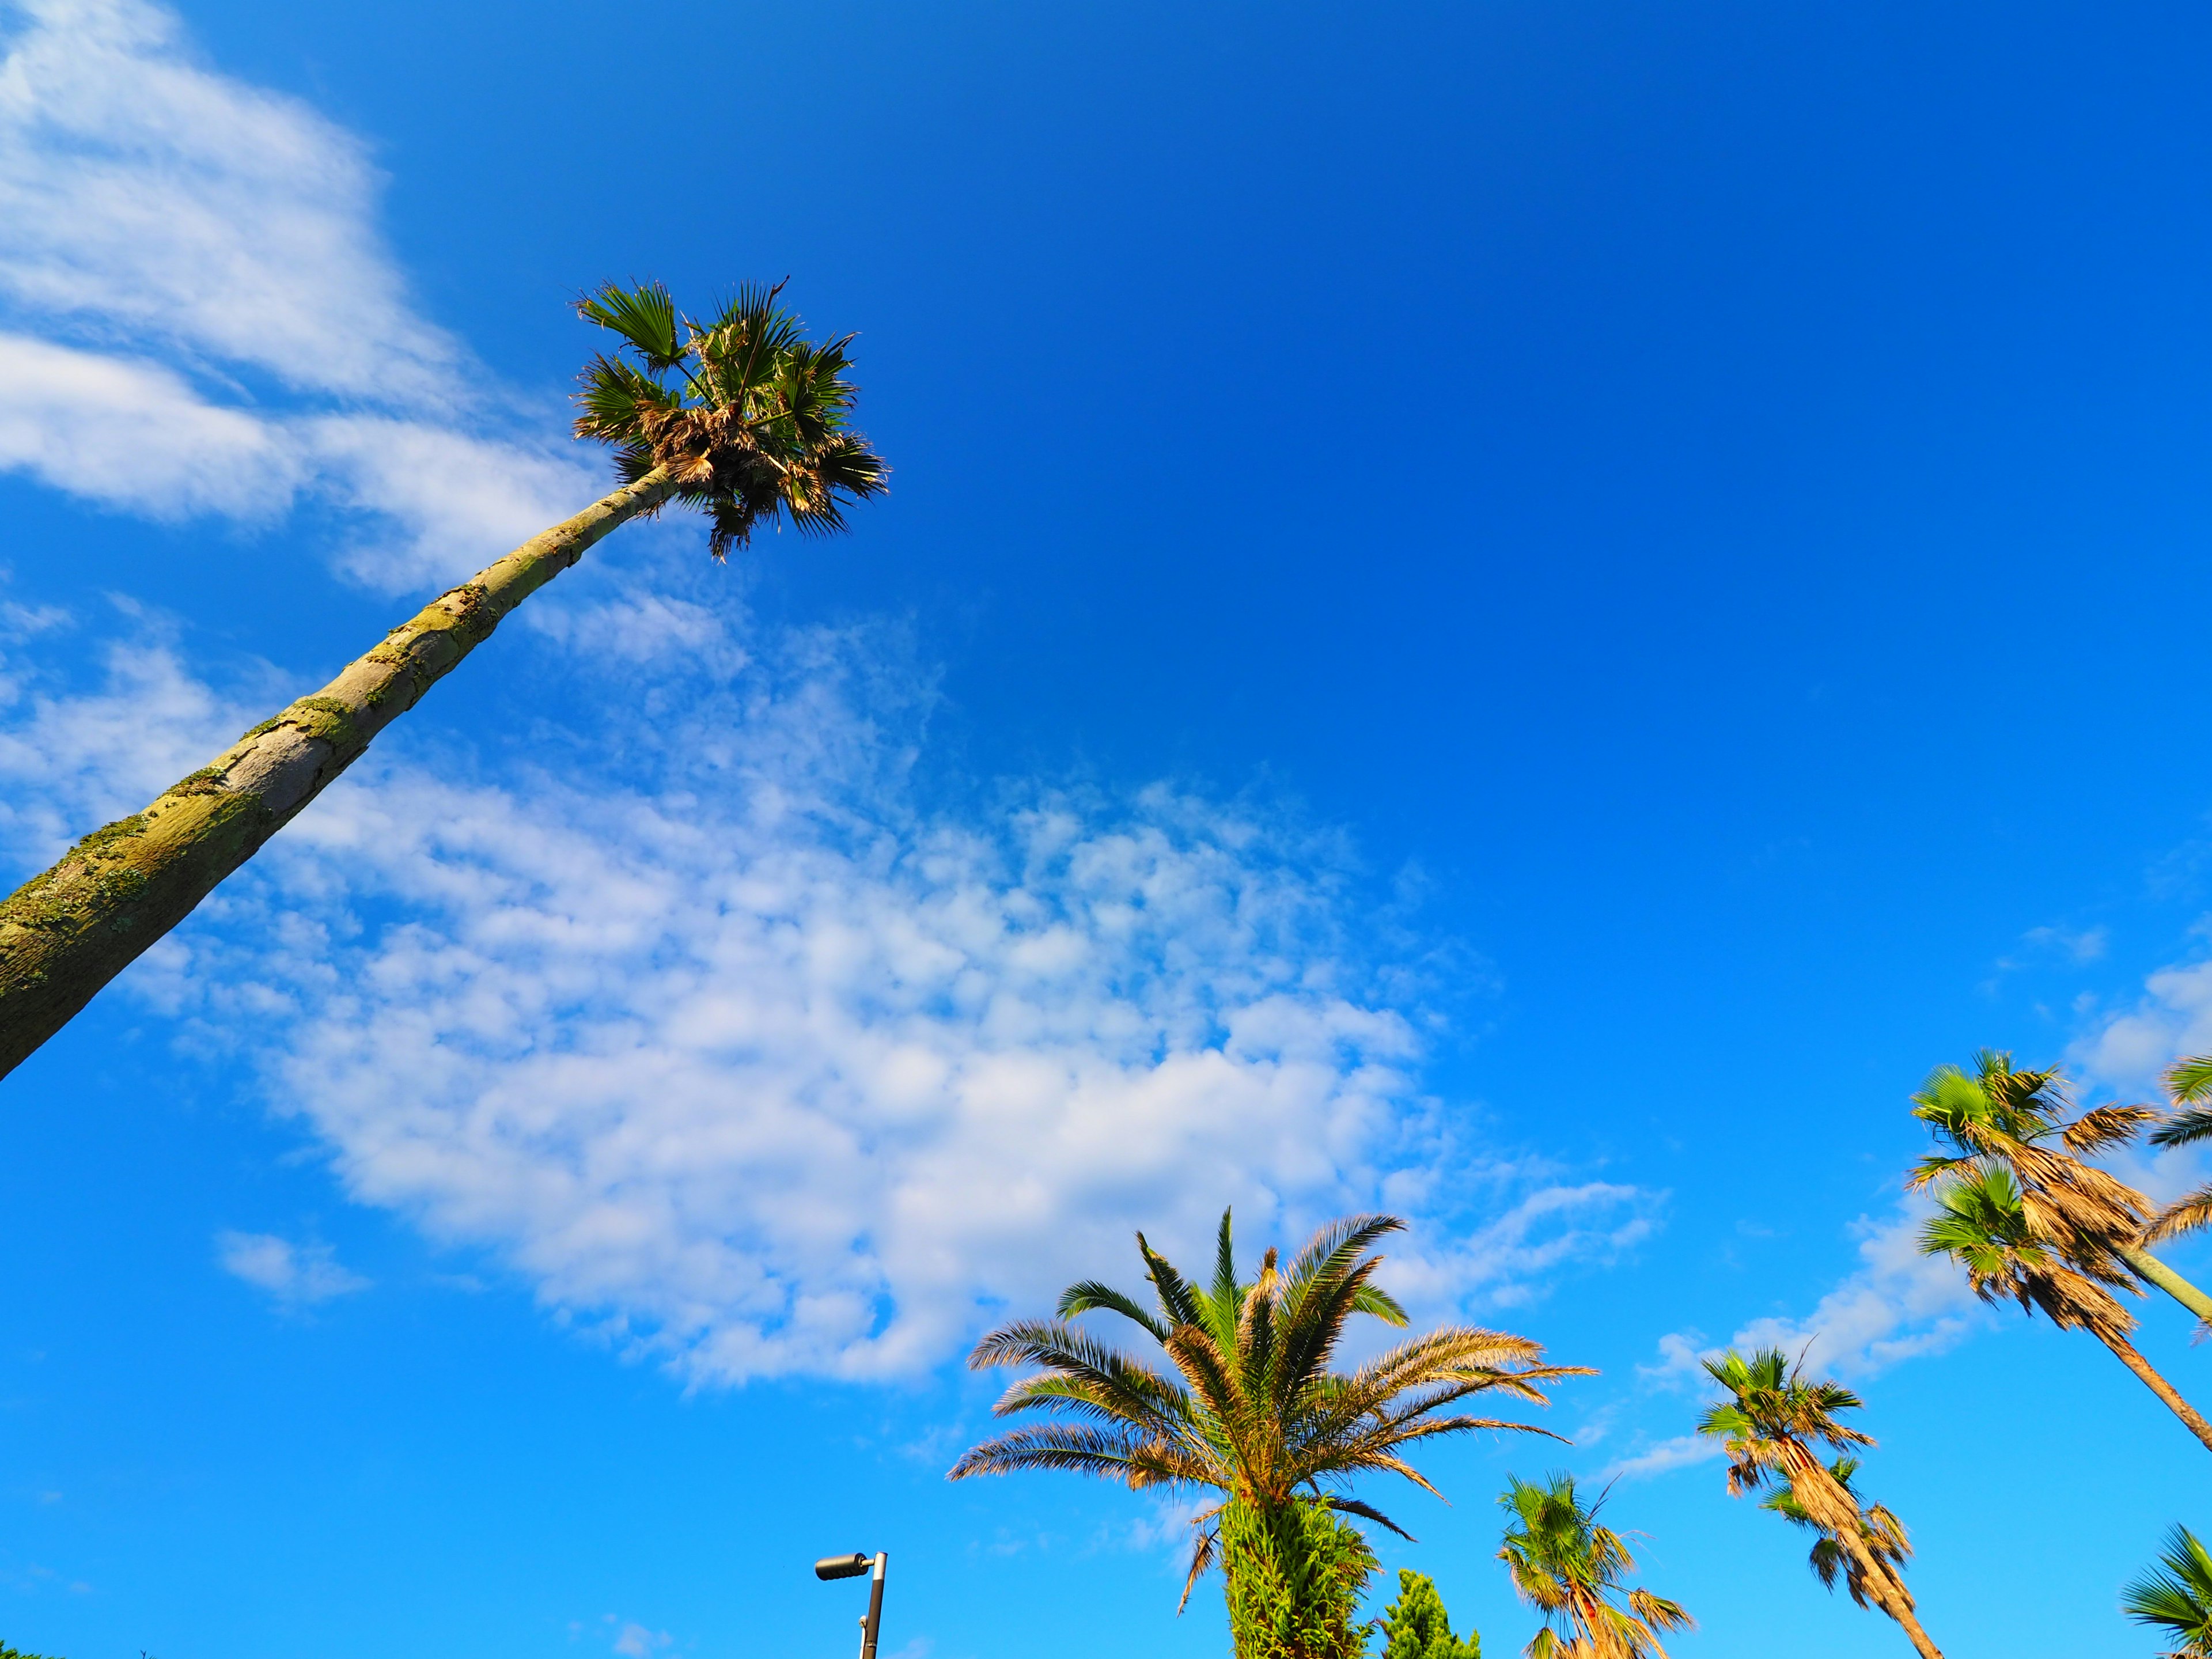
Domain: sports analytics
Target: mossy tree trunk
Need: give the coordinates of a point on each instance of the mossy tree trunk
(64, 933)
(2152, 1270)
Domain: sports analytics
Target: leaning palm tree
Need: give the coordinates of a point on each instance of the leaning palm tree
(1769, 1423)
(1249, 1412)
(738, 414)
(1881, 1532)
(2176, 1595)
(1981, 1223)
(2019, 1121)
(1569, 1569)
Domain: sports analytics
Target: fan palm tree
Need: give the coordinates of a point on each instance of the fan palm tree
(1248, 1410)
(2177, 1596)
(2018, 1120)
(738, 415)
(1881, 1532)
(1981, 1223)
(1769, 1422)
(1569, 1569)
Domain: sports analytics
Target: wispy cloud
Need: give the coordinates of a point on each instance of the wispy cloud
(1897, 1305)
(744, 1061)
(206, 320)
(295, 1275)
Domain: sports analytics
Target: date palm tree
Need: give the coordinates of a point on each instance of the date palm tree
(1881, 1532)
(2176, 1595)
(2018, 1120)
(1769, 1421)
(1569, 1569)
(1248, 1410)
(1981, 1223)
(738, 415)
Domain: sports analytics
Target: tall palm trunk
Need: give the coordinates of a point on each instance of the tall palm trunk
(2149, 1268)
(65, 934)
(1837, 1513)
(2157, 1385)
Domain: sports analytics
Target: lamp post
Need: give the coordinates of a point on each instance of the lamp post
(852, 1567)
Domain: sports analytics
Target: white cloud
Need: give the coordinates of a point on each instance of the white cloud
(635, 1641)
(741, 1059)
(1899, 1304)
(142, 195)
(296, 1275)
(181, 228)
(1681, 1452)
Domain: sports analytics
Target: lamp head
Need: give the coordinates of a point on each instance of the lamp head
(843, 1566)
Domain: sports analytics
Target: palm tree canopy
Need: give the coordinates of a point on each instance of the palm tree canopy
(749, 419)
(1772, 1415)
(1568, 1567)
(1249, 1406)
(1981, 1223)
(2176, 1595)
(2019, 1119)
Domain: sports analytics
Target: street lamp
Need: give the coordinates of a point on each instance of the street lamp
(852, 1567)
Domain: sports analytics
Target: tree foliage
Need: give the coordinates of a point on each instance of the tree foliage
(1572, 1571)
(1248, 1409)
(2176, 1596)
(1416, 1626)
(1293, 1575)
(751, 421)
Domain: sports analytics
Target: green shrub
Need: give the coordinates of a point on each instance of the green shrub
(1417, 1626)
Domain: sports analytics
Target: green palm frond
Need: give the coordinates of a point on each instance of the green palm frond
(644, 315)
(1089, 1295)
(2176, 1595)
(2190, 1080)
(2186, 1128)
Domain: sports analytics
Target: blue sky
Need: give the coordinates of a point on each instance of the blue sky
(1522, 613)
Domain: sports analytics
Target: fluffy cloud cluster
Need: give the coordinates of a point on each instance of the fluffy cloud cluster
(165, 231)
(740, 1058)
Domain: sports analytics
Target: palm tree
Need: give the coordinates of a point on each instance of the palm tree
(1981, 1223)
(1769, 1423)
(2018, 1120)
(2177, 1596)
(739, 415)
(1248, 1411)
(1569, 1569)
(2189, 1082)
(1879, 1530)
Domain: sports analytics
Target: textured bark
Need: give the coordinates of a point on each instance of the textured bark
(2149, 1268)
(66, 932)
(2159, 1386)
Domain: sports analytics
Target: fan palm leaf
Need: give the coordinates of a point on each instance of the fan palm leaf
(2176, 1596)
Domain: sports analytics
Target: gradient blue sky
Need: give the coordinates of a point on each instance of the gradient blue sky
(1520, 613)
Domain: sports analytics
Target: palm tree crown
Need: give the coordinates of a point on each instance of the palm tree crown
(1252, 1410)
(745, 418)
(1569, 1569)
(2176, 1595)
(2020, 1120)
